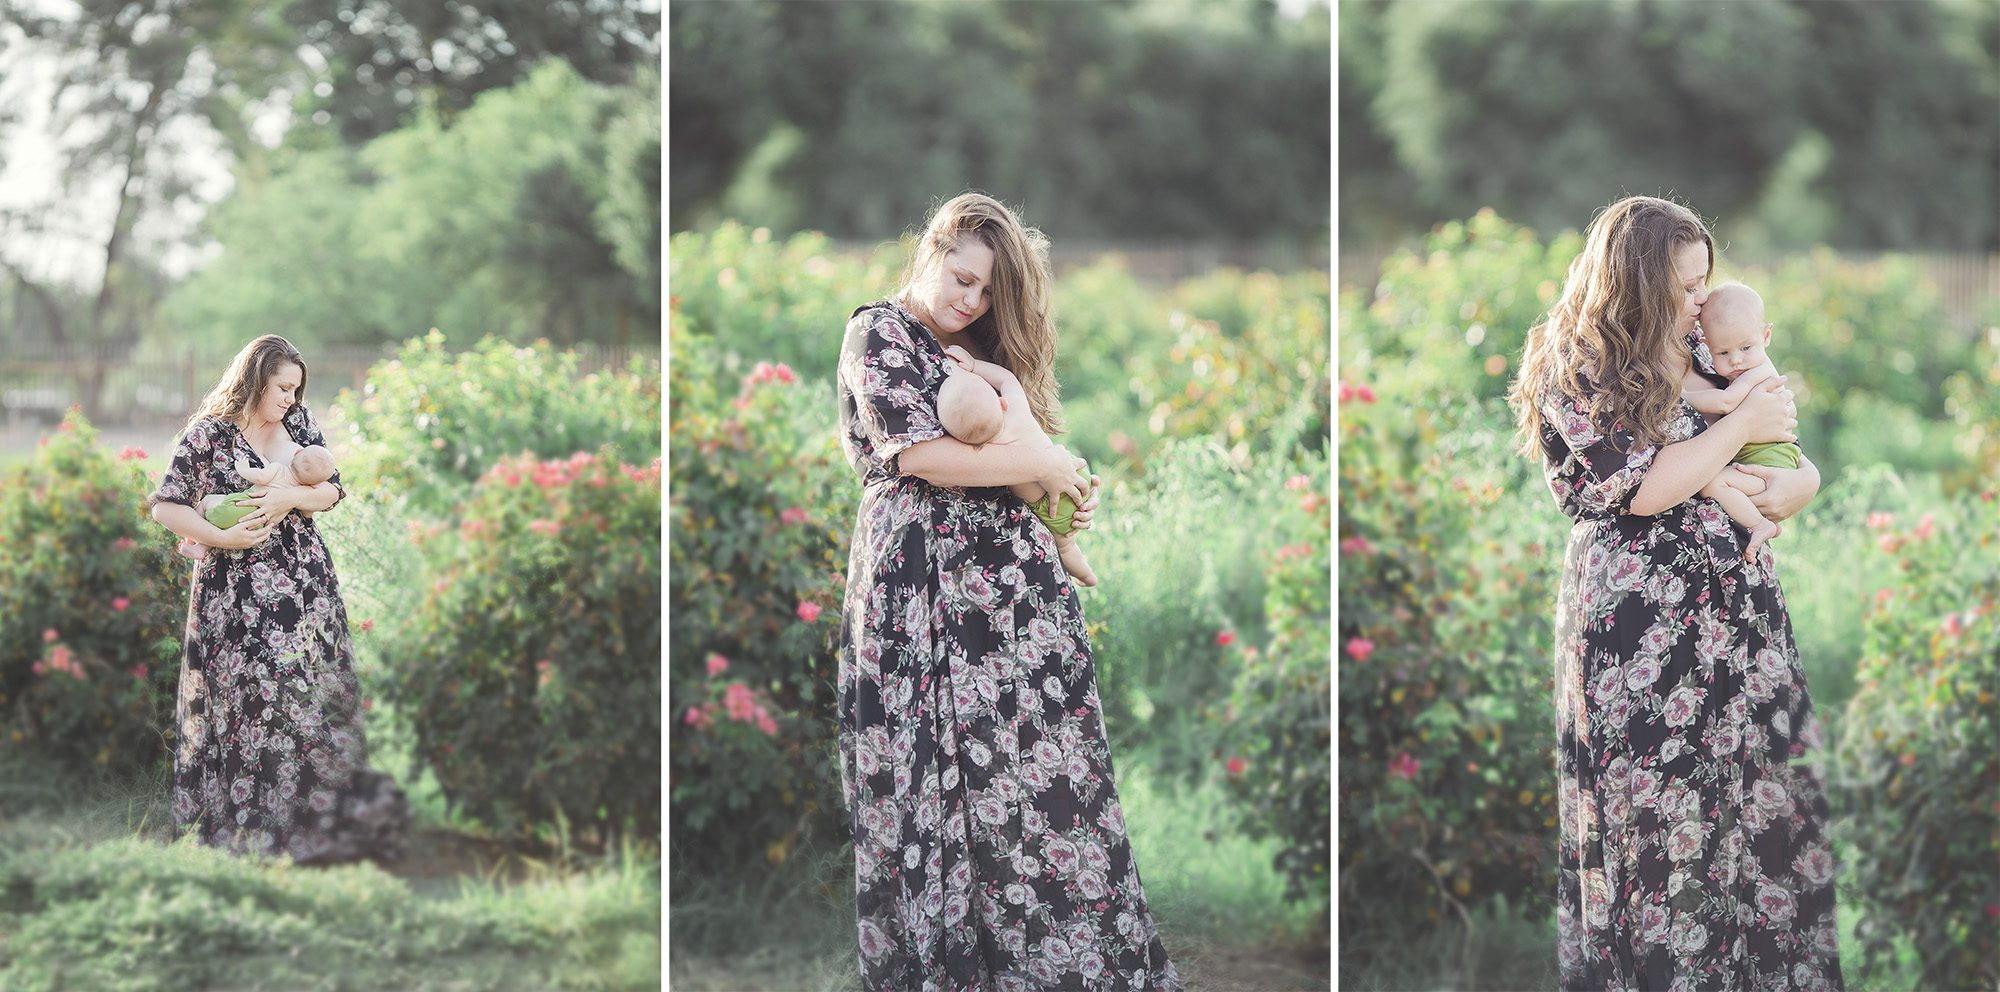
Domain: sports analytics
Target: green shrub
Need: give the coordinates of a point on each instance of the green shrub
(1181, 557)
(527, 659)
(430, 422)
(1919, 747)
(761, 502)
(1448, 552)
(93, 597)
(783, 301)
(1279, 706)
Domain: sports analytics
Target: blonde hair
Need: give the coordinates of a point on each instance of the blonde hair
(242, 383)
(1615, 324)
(1730, 303)
(1016, 331)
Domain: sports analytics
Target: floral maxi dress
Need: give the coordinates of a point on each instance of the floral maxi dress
(270, 757)
(990, 852)
(1693, 841)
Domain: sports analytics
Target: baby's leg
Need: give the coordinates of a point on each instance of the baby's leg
(1735, 502)
(1073, 559)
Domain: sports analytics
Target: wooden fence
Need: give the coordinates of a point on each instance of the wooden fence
(125, 386)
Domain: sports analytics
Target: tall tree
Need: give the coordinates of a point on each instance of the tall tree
(129, 72)
(380, 60)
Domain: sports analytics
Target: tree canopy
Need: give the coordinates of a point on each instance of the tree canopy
(1120, 121)
(1862, 125)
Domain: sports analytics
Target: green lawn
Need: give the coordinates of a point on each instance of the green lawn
(94, 895)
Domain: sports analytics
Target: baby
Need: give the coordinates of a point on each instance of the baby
(1732, 322)
(982, 403)
(310, 466)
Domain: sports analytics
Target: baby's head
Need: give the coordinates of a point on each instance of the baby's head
(968, 406)
(312, 465)
(1732, 322)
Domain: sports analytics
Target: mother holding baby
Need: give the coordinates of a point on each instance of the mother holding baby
(270, 757)
(990, 850)
(1693, 847)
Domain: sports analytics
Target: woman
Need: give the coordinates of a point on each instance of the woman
(270, 757)
(989, 847)
(1693, 840)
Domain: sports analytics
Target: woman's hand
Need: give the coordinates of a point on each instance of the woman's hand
(247, 532)
(271, 504)
(1088, 508)
(1767, 414)
(1063, 474)
(1786, 490)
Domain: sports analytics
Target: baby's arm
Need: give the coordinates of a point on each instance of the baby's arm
(1718, 402)
(996, 375)
(257, 476)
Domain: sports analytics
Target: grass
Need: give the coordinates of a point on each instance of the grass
(95, 895)
(1514, 948)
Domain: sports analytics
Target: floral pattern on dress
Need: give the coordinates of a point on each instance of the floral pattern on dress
(1693, 814)
(990, 851)
(270, 756)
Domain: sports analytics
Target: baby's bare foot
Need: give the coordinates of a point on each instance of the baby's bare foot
(190, 549)
(1076, 564)
(1759, 535)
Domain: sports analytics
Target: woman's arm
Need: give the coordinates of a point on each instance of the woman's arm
(1680, 470)
(189, 523)
(276, 501)
(947, 461)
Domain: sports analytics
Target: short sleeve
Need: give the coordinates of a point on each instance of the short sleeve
(1704, 362)
(892, 379)
(186, 479)
(305, 433)
(1602, 471)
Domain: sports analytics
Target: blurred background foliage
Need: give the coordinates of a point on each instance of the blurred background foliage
(383, 168)
(1116, 121)
(1790, 123)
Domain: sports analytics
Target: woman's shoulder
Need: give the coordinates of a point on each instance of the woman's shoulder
(889, 322)
(206, 429)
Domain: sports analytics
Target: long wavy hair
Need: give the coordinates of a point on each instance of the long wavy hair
(242, 383)
(1611, 337)
(1016, 331)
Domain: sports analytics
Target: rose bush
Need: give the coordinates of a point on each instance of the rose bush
(1919, 744)
(1279, 714)
(760, 504)
(93, 597)
(431, 421)
(1448, 549)
(526, 661)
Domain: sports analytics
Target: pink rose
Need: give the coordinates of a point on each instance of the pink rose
(794, 515)
(1360, 648)
(49, 635)
(119, 603)
(808, 610)
(1236, 766)
(1226, 638)
(717, 664)
(1405, 767)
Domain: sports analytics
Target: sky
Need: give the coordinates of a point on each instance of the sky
(71, 250)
